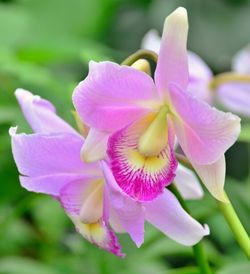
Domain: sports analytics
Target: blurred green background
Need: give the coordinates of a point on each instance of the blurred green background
(45, 46)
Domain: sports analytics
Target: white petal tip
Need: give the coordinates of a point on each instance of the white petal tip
(206, 230)
(12, 131)
(19, 91)
(179, 14)
(22, 93)
(181, 11)
(92, 63)
(88, 157)
(139, 244)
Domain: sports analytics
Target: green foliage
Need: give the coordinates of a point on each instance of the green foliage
(45, 47)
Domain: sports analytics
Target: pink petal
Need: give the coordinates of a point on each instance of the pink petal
(235, 97)
(187, 183)
(95, 146)
(115, 223)
(41, 114)
(49, 184)
(74, 194)
(241, 61)
(151, 41)
(49, 160)
(199, 77)
(98, 234)
(129, 213)
(112, 96)
(142, 178)
(172, 63)
(200, 90)
(213, 177)
(198, 69)
(167, 215)
(204, 133)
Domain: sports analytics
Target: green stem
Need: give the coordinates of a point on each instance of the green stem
(198, 250)
(230, 216)
(227, 77)
(148, 54)
(183, 160)
(236, 226)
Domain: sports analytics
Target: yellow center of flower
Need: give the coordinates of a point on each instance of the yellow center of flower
(155, 138)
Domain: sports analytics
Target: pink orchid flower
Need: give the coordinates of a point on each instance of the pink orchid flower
(234, 96)
(49, 162)
(143, 117)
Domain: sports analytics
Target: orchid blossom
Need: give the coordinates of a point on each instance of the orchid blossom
(137, 119)
(49, 162)
(233, 94)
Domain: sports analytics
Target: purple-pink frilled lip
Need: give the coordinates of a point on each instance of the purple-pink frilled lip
(142, 178)
(113, 98)
(49, 162)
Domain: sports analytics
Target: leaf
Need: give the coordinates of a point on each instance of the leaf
(49, 217)
(240, 268)
(245, 133)
(8, 114)
(184, 270)
(19, 265)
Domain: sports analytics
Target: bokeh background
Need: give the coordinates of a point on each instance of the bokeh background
(45, 46)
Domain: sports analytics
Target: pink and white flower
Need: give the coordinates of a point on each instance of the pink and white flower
(140, 118)
(49, 162)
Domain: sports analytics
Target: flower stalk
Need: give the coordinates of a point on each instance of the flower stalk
(140, 54)
(198, 249)
(236, 226)
(230, 216)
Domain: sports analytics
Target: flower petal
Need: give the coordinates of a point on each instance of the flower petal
(98, 234)
(172, 63)
(198, 69)
(200, 90)
(115, 223)
(199, 77)
(112, 96)
(129, 214)
(213, 177)
(41, 114)
(235, 97)
(167, 215)
(84, 198)
(241, 61)
(142, 178)
(49, 160)
(49, 184)
(187, 183)
(95, 146)
(151, 41)
(204, 133)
